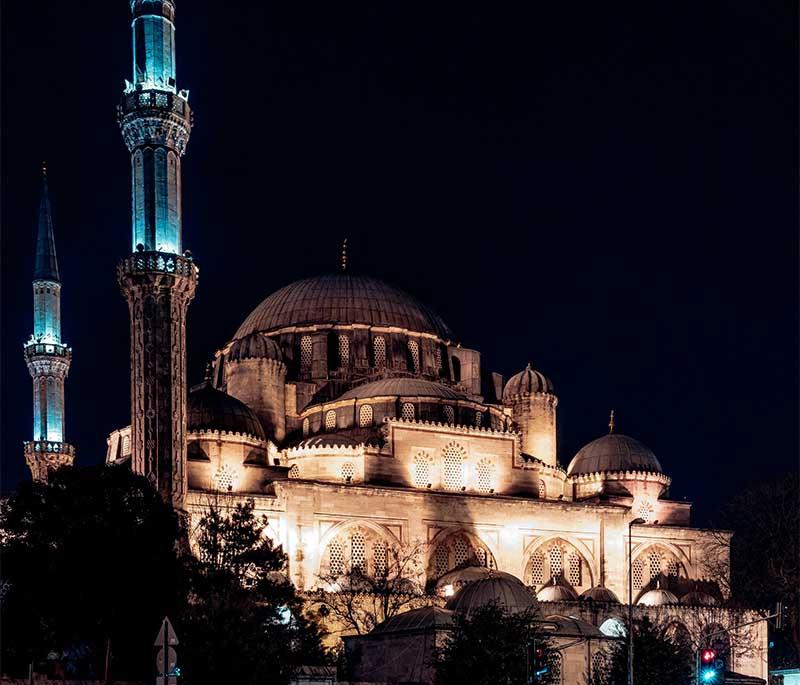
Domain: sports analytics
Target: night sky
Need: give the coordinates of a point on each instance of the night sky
(608, 191)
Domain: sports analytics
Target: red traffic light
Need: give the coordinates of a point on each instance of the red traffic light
(707, 656)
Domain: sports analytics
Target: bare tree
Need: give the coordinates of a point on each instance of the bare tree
(358, 601)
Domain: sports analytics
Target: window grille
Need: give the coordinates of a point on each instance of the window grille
(422, 470)
(480, 555)
(453, 467)
(638, 574)
(542, 490)
(537, 569)
(442, 560)
(305, 427)
(407, 411)
(365, 415)
(348, 472)
(461, 550)
(161, 99)
(672, 568)
(224, 479)
(655, 564)
(574, 570)
(556, 568)
(413, 350)
(344, 350)
(379, 560)
(126, 445)
(478, 419)
(646, 512)
(330, 420)
(306, 352)
(485, 475)
(449, 414)
(336, 557)
(437, 357)
(294, 472)
(379, 351)
(599, 668)
(554, 661)
(358, 553)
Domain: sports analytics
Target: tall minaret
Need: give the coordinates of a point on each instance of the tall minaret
(157, 279)
(47, 357)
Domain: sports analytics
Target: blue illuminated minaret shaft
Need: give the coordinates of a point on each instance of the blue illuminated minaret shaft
(47, 357)
(157, 279)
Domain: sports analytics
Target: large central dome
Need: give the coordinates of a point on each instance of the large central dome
(345, 299)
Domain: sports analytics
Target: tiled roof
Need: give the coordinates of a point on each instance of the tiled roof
(613, 452)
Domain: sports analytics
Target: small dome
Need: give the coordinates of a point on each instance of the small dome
(613, 452)
(212, 409)
(469, 574)
(510, 595)
(343, 298)
(657, 598)
(698, 598)
(254, 346)
(423, 618)
(527, 382)
(600, 594)
(403, 387)
(557, 592)
(569, 626)
(329, 440)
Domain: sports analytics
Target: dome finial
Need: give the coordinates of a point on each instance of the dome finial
(611, 423)
(208, 372)
(44, 168)
(344, 255)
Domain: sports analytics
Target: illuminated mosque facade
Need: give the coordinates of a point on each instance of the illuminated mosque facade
(362, 428)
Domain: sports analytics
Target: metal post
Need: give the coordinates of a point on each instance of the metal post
(630, 599)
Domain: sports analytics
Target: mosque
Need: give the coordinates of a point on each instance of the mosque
(363, 429)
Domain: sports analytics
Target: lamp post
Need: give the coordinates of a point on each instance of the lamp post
(635, 522)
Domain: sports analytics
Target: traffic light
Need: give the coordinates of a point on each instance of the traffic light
(711, 669)
(537, 658)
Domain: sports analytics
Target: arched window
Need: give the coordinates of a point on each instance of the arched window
(442, 560)
(348, 472)
(555, 557)
(458, 551)
(461, 551)
(574, 570)
(673, 567)
(537, 569)
(638, 574)
(456, 369)
(365, 415)
(344, 350)
(646, 512)
(554, 661)
(599, 674)
(542, 490)
(422, 470)
(330, 420)
(478, 419)
(358, 553)
(449, 414)
(453, 467)
(413, 355)
(336, 557)
(305, 427)
(356, 549)
(379, 351)
(654, 559)
(437, 359)
(224, 478)
(407, 411)
(306, 352)
(126, 445)
(380, 560)
(294, 471)
(485, 473)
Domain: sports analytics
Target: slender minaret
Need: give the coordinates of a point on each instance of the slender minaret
(47, 357)
(157, 279)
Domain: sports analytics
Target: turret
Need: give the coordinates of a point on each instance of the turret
(530, 397)
(48, 359)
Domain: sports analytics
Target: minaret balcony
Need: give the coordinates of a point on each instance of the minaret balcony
(34, 447)
(45, 348)
(155, 117)
(163, 100)
(158, 262)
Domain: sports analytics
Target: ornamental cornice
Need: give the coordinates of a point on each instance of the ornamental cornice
(599, 476)
(279, 366)
(518, 396)
(326, 328)
(421, 399)
(338, 450)
(227, 436)
(438, 426)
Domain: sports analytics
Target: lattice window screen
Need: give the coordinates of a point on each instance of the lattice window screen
(407, 411)
(294, 472)
(330, 420)
(449, 414)
(555, 556)
(336, 556)
(379, 351)
(542, 490)
(306, 426)
(306, 352)
(224, 479)
(485, 475)
(655, 564)
(413, 350)
(555, 661)
(344, 350)
(358, 552)
(437, 358)
(574, 570)
(379, 559)
(442, 560)
(348, 472)
(537, 569)
(478, 419)
(461, 549)
(646, 512)
(599, 668)
(365, 415)
(480, 554)
(453, 467)
(422, 470)
(673, 569)
(638, 574)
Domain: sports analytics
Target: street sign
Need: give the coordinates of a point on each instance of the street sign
(166, 635)
(167, 658)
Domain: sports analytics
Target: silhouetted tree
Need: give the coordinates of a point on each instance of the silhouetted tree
(89, 567)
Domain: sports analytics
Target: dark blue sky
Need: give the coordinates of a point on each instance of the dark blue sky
(609, 191)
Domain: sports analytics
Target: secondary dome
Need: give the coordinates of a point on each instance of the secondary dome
(254, 346)
(423, 618)
(527, 382)
(613, 452)
(698, 598)
(212, 409)
(557, 592)
(402, 387)
(600, 594)
(509, 594)
(657, 598)
(345, 299)
(469, 574)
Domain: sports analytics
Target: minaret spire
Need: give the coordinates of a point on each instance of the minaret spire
(158, 279)
(48, 359)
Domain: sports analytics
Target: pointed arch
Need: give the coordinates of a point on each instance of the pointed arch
(558, 557)
(457, 548)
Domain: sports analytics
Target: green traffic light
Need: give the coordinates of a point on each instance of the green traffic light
(709, 675)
